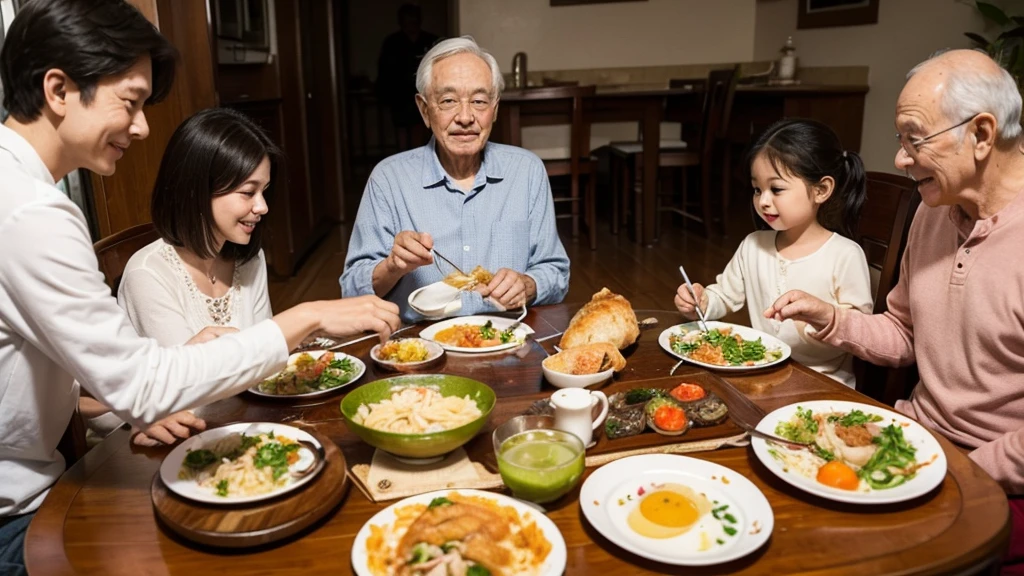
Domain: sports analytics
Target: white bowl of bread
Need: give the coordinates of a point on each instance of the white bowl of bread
(590, 346)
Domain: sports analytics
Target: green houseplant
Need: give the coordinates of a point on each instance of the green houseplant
(1008, 47)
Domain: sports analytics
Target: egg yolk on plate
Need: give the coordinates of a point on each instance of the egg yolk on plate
(838, 475)
(668, 512)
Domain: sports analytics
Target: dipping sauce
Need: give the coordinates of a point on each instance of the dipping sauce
(541, 465)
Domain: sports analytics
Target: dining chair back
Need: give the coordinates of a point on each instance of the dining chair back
(114, 251)
(882, 229)
(558, 105)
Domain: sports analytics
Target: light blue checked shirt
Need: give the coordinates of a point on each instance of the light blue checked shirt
(507, 220)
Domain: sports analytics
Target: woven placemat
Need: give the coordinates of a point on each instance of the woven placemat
(387, 478)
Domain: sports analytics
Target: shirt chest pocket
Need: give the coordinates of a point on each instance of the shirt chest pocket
(510, 245)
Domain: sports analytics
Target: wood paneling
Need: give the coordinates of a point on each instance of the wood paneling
(122, 200)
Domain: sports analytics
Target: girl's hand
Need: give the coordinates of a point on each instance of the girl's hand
(169, 430)
(801, 306)
(686, 304)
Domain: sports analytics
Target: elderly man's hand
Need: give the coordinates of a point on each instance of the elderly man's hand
(801, 306)
(409, 251)
(509, 288)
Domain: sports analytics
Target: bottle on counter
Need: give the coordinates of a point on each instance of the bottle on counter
(787, 63)
(519, 70)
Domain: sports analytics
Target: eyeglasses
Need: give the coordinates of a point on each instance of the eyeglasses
(906, 142)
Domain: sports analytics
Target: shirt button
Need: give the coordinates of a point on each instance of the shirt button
(465, 248)
(960, 265)
(967, 250)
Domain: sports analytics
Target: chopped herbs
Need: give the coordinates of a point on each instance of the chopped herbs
(275, 456)
(439, 501)
(802, 429)
(222, 488)
(199, 459)
(893, 463)
(729, 530)
(854, 418)
(487, 331)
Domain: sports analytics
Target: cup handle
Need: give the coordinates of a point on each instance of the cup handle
(600, 397)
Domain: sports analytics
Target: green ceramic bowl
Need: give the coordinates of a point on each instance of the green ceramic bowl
(419, 445)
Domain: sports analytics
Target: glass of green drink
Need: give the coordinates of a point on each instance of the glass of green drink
(538, 462)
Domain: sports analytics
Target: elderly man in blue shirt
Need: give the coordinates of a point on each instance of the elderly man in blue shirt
(476, 202)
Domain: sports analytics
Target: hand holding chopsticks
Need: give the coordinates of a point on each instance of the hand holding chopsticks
(702, 322)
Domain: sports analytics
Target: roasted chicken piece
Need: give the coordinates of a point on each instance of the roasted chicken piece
(479, 529)
(608, 317)
(587, 359)
(479, 275)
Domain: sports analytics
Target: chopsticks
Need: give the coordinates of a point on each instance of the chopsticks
(367, 337)
(450, 263)
(702, 322)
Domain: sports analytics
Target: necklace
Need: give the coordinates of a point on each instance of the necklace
(212, 277)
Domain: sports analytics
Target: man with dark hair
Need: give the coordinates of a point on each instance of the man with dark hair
(400, 56)
(76, 74)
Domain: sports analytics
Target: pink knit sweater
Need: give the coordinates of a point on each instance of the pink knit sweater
(958, 311)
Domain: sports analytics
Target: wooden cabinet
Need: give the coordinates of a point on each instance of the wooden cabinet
(122, 200)
(295, 99)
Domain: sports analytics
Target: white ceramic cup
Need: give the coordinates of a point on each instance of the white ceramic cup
(573, 408)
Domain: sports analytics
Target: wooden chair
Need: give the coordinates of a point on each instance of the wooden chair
(716, 112)
(553, 106)
(113, 253)
(882, 229)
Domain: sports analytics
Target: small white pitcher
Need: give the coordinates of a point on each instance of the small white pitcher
(573, 408)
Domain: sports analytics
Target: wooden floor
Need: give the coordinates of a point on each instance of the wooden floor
(648, 277)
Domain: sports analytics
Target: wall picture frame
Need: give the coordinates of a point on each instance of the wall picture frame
(835, 13)
(579, 2)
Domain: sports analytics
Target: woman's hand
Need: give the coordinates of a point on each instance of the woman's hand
(169, 430)
(801, 306)
(687, 305)
(349, 316)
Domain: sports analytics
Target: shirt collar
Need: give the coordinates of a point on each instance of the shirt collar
(434, 174)
(25, 155)
(980, 228)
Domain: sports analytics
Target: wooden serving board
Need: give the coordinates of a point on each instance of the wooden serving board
(650, 439)
(247, 525)
(696, 439)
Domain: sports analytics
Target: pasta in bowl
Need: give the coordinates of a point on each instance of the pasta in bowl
(418, 416)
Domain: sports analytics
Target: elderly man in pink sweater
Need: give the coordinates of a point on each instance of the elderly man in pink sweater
(958, 309)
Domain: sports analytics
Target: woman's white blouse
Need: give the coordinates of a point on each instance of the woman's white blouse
(163, 302)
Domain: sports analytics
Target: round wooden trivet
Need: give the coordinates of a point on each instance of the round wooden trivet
(258, 523)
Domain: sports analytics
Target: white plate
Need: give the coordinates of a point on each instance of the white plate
(747, 333)
(359, 365)
(927, 447)
(171, 465)
(436, 300)
(620, 480)
(434, 351)
(554, 564)
(499, 324)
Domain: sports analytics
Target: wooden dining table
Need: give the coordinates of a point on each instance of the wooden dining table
(99, 517)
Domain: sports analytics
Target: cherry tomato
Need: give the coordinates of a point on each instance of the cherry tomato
(687, 392)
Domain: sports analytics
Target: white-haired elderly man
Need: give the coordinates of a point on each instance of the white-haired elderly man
(476, 202)
(958, 309)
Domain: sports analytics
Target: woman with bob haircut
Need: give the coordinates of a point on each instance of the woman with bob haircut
(77, 75)
(207, 268)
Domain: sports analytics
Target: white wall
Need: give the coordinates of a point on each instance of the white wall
(907, 32)
(649, 33)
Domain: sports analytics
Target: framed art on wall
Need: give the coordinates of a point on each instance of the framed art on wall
(832, 13)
